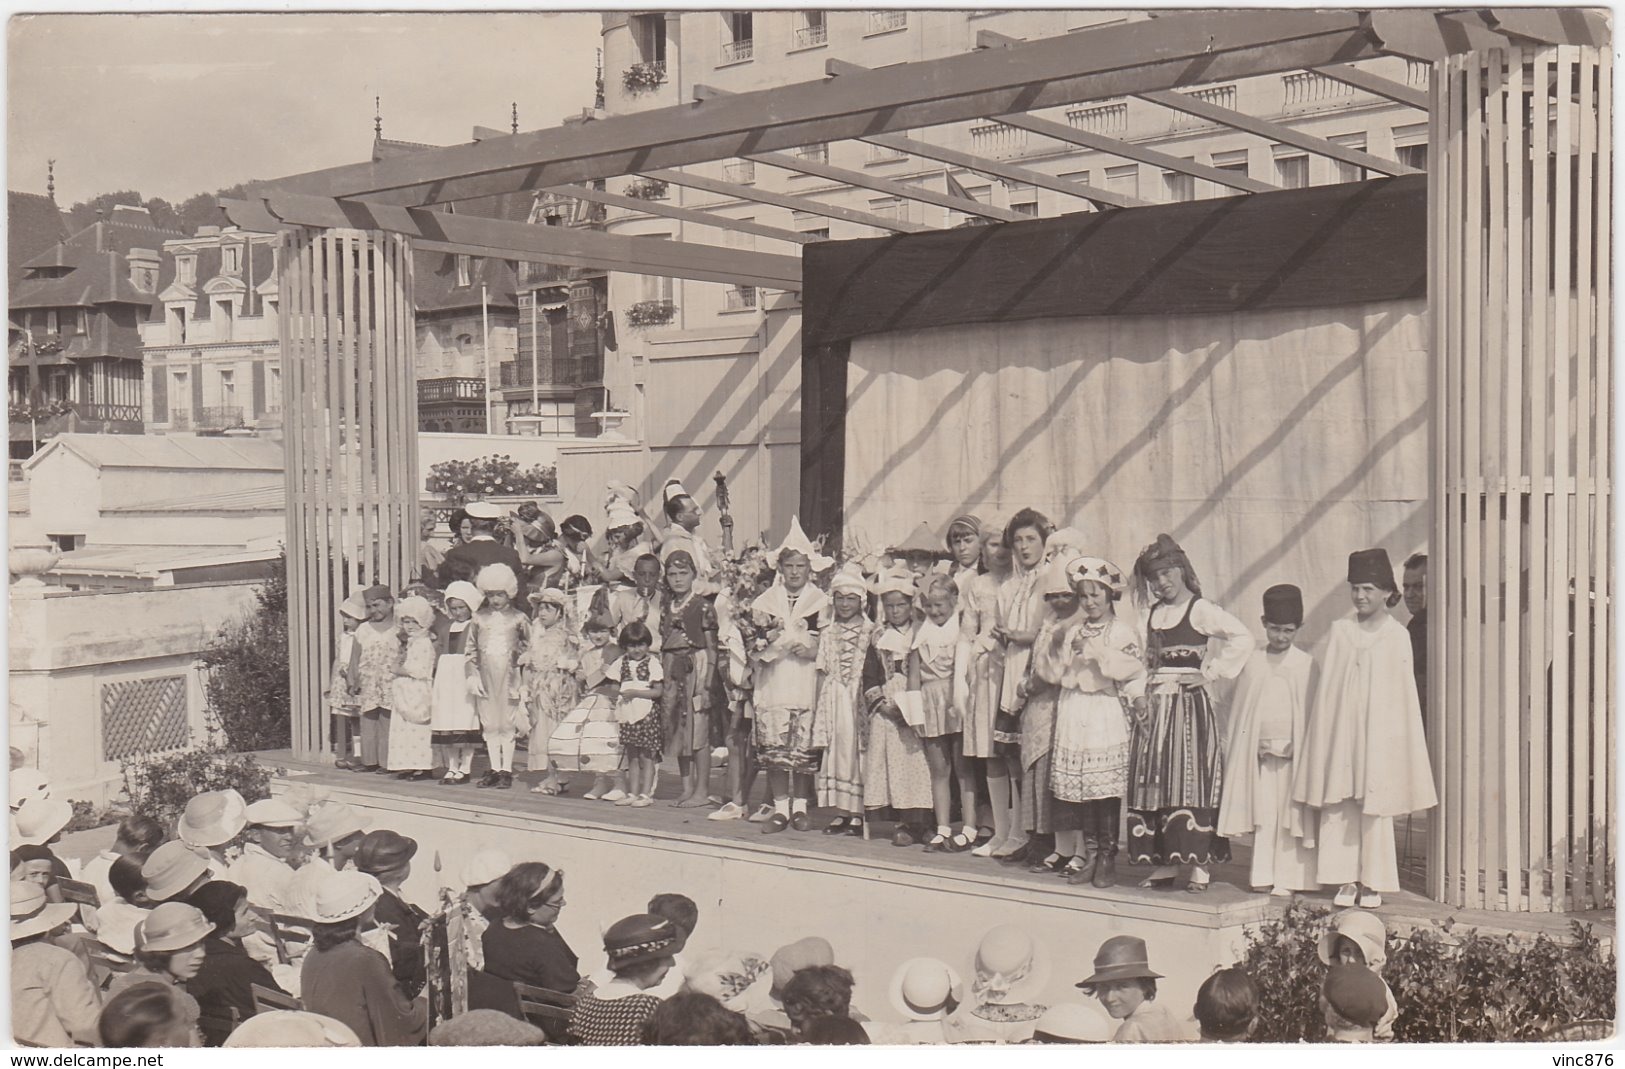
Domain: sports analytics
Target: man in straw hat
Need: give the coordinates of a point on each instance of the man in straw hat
(53, 1002)
(273, 838)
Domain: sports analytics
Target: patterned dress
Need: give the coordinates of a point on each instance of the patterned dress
(1176, 764)
(639, 717)
(550, 685)
(787, 680)
(410, 746)
(688, 632)
(836, 722)
(1089, 756)
(611, 1022)
(895, 772)
(494, 649)
(378, 657)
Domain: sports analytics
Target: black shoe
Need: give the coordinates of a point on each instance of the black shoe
(1048, 863)
(855, 827)
(775, 823)
(903, 836)
(505, 780)
(1106, 870)
(800, 822)
(367, 768)
(1021, 854)
(836, 826)
(490, 779)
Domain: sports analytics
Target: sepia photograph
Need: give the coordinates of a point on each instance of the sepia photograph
(886, 527)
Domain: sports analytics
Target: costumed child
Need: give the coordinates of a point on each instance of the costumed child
(688, 642)
(500, 634)
(979, 673)
(1039, 693)
(343, 695)
(931, 674)
(550, 682)
(1364, 760)
(454, 727)
(376, 656)
(787, 679)
(1268, 718)
(733, 621)
(411, 749)
(843, 646)
(1361, 939)
(895, 771)
(640, 602)
(1176, 758)
(636, 709)
(1092, 660)
(922, 555)
(598, 653)
(1020, 614)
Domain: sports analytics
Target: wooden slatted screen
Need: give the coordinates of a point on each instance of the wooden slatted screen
(349, 403)
(1520, 585)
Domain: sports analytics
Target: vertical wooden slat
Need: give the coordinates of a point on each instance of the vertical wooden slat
(1509, 218)
(366, 280)
(1493, 471)
(367, 434)
(1473, 477)
(1452, 575)
(1438, 493)
(1562, 490)
(1542, 489)
(1578, 164)
(343, 379)
(384, 415)
(1602, 652)
(414, 478)
(299, 714)
(309, 430)
(328, 549)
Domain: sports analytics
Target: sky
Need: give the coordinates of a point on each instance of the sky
(173, 105)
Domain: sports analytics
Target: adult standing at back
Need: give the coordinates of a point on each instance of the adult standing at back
(464, 561)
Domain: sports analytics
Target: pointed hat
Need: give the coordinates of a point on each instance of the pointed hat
(796, 540)
(922, 540)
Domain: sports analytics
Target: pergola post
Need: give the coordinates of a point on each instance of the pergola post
(1521, 622)
(349, 403)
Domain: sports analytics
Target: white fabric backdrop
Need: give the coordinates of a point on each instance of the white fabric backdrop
(1270, 445)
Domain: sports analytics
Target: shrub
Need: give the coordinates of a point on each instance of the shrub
(246, 686)
(86, 816)
(160, 787)
(464, 480)
(1451, 986)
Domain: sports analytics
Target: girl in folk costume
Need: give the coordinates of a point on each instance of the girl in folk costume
(1021, 612)
(1364, 761)
(344, 693)
(549, 663)
(965, 553)
(377, 653)
(596, 711)
(931, 673)
(734, 649)
(842, 648)
(411, 749)
(1040, 697)
(1176, 760)
(1092, 659)
(454, 726)
(500, 635)
(637, 709)
(688, 642)
(1268, 719)
(979, 674)
(787, 679)
(895, 771)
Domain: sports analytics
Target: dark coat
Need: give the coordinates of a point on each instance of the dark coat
(464, 561)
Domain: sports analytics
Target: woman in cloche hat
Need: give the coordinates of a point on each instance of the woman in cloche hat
(1127, 988)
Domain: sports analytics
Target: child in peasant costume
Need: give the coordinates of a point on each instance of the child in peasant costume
(411, 750)
(376, 655)
(979, 669)
(1092, 658)
(895, 771)
(733, 612)
(1021, 612)
(837, 725)
(1268, 719)
(455, 724)
(1364, 760)
(550, 683)
(501, 633)
(1040, 693)
(688, 628)
(344, 694)
(931, 674)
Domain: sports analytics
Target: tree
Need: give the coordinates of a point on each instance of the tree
(86, 212)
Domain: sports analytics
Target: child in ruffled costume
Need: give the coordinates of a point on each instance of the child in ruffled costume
(501, 633)
(549, 663)
(455, 723)
(931, 673)
(837, 724)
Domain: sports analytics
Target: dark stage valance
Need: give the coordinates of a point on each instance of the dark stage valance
(1297, 248)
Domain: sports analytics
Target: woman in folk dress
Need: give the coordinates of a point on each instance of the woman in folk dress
(837, 732)
(1021, 614)
(455, 725)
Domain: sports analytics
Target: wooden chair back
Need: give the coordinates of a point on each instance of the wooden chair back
(292, 934)
(548, 1010)
(79, 893)
(266, 999)
(105, 962)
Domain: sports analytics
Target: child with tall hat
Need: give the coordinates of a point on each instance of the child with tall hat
(843, 646)
(411, 746)
(344, 692)
(896, 774)
(500, 633)
(376, 656)
(786, 678)
(688, 642)
(1092, 660)
(1269, 714)
(1176, 759)
(1364, 759)
(627, 534)
(549, 663)
(454, 722)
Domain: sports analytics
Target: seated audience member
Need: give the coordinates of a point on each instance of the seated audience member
(292, 1028)
(387, 857)
(741, 984)
(1008, 973)
(1352, 1000)
(53, 1002)
(692, 1019)
(786, 962)
(1127, 988)
(138, 836)
(343, 979)
(819, 991)
(168, 950)
(36, 864)
(482, 878)
(211, 823)
(1227, 1006)
(126, 907)
(223, 984)
(38, 823)
(834, 1032)
(486, 1028)
(924, 992)
(148, 1014)
(273, 839)
(173, 871)
(1073, 1022)
(681, 911)
(523, 944)
(640, 949)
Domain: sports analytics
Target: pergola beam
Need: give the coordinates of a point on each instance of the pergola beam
(1275, 132)
(1375, 84)
(1188, 49)
(781, 200)
(526, 241)
(687, 215)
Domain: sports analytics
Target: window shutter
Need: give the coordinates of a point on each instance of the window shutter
(258, 398)
(197, 392)
(159, 377)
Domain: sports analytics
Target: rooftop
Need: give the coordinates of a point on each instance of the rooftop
(184, 452)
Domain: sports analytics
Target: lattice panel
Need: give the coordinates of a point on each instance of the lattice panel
(143, 716)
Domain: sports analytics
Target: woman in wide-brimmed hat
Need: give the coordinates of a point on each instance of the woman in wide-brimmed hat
(924, 992)
(1125, 984)
(53, 1002)
(211, 821)
(350, 982)
(1008, 974)
(169, 950)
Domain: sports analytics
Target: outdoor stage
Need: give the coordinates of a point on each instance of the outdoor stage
(877, 904)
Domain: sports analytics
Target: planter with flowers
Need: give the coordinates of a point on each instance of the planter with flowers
(651, 313)
(643, 77)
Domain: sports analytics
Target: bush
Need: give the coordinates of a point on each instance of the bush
(86, 816)
(465, 480)
(160, 787)
(246, 688)
(1451, 986)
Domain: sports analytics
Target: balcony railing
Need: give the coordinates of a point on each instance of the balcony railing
(219, 417)
(1305, 89)
(998, 141)
(741, 298)
(1222, 96)
(882, 21)
(808, 36)
(884, 153)
(1108, 119)
(435, 391)
(734, 51)
(740, 172)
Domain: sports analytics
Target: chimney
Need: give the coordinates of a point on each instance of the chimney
(208, 232)
(143, 269)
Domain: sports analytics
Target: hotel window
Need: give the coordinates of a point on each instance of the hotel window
(1124, 180)
(890, 208)
(737, 36)
(1350, 172)
(186, 269)
(1411, 145)
(739, 172)
(1177, 186)
(1233, 162)
(886, 21)
(884, 153)
(817, 233)
(818, 153)
(177, 325)
(273, 388)
(741, 298)
(51, 324)
(228, 388)
(223, 314)
(82, 321)
(465, 265)
(1292, 172)
(231, 258)
(811, 29)
(649, 33)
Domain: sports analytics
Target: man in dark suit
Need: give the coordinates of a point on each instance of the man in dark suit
(465, 561)
(1416, 600)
